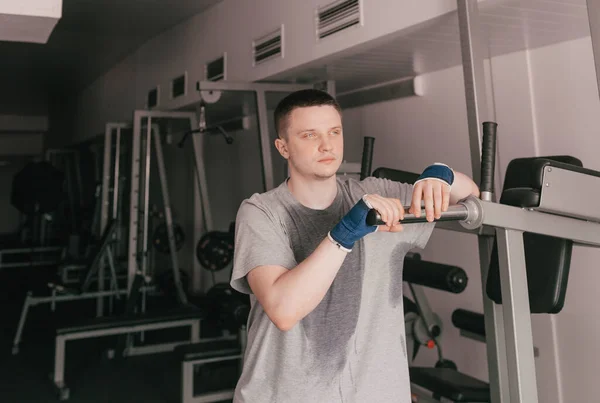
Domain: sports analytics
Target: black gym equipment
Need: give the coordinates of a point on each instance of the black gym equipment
(227, 307)
(160, 237)
(37, 188)
(215, 250)
(424, 329)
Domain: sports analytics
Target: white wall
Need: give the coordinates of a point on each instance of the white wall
(566, 114)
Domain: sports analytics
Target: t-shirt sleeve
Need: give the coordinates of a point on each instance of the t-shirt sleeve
(419, 233)
(259, 240)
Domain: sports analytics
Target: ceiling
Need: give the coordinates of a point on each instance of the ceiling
(508, 26)
(91, 37)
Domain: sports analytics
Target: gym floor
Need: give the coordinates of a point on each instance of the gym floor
(90, 376)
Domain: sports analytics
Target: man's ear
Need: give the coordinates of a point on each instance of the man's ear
(281, 146)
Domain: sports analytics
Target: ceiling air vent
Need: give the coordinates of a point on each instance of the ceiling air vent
(215, 70)
(337, 16)
(268, 46)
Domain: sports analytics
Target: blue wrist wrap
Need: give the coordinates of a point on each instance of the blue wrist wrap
(438, 171)
(353, 226)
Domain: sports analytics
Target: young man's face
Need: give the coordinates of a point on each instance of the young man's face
(314, 142)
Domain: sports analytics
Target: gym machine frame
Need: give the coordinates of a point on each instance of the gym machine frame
(510, 347)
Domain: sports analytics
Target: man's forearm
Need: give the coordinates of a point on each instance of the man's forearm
(298, 291)
(462, 187)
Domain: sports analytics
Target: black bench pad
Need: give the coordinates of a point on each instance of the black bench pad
(470, 321)
(451, 384)
(131, 320)
(209, 349)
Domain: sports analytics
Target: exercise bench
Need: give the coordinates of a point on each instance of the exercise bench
(125, 324)
(193, 355)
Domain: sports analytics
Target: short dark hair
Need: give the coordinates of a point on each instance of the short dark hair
(301, 99)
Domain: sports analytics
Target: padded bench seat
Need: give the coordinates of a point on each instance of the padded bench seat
(206, 350)
(451, 384)
(131, 320)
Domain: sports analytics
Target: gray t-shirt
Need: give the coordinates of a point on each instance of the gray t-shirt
(351, 348)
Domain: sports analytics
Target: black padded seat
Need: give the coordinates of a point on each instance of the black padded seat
(205, 350)
(451, 384)
(131, 320)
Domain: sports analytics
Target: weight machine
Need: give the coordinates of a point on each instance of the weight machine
(77, 277)
(536, 219)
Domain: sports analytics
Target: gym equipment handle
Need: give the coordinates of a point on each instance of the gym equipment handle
(488, 155)
(458, 212)
(435, 275)
(367, 157)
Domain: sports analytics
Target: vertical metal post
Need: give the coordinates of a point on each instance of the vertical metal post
(515, 303)
(474, 77)
(134, 200)
(160, 162)
(117, 174)
(108, 130)
(198, 147)
(146, 180)
(265, 140)
(593, 7)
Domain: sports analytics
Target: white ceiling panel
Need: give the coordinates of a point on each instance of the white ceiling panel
(507, 25)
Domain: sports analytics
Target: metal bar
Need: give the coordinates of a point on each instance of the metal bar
(117, 174)
(593, 7)
(167, 324)
(153, 348)
(515, 303)
(22, 319)
(494, 329)
(162, 174)
(474, 77)
(59, 361)
(477, 109)
(198, 148)
(515, 218)
(146, 179)
(265, 140)
(134, 199)
(187, 382)
(249, 86)
(108, 129)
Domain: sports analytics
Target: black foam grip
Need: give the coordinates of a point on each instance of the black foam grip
(367, 157)
(470, 321)
(435, 275)
(488, 156)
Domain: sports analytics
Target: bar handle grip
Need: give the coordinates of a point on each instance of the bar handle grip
(488, 156)
(367, 157)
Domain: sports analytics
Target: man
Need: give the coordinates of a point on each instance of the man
(327, 321)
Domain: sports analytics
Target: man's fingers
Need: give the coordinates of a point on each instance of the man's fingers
(437, 200)
(428, 198)
(415, 206)
(445, 198)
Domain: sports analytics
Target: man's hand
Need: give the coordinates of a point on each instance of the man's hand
(436, 196)
(390, 210)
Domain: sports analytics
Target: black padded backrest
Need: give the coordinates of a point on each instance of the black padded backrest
(547, 259)
(396, 175)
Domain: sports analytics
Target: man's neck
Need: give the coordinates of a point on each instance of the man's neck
(314, 194)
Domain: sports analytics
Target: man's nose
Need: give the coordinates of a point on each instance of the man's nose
(326, 143)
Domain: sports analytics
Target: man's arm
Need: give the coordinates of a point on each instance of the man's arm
(286, 295)
(462, 187)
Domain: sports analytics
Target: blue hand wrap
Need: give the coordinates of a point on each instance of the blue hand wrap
(437, 171)
(352, 227)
